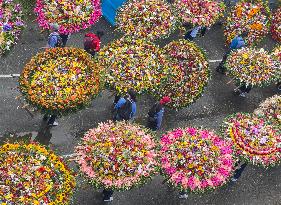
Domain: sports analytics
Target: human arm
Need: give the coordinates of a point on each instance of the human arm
(159, 117)
(120, 102)
(134, 109)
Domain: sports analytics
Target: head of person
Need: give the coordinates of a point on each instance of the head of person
(244, 34)
(132, 95)
(55, 27)
(100, 34)
(165, 100)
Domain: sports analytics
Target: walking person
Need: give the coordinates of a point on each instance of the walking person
(156, 112)
(238, 172)
(191, 34)
(92, 42)
(236, 43)
(54, 39)
(243, 89)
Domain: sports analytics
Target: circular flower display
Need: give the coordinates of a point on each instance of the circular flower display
(117, 156)
(254, 140)
(251, 66)
(189, 73)
(270, 109)
(11, 24)
(60, 80)
(149, 19)
(199, 12)
(132, 64)
(247, 17)
(195, 159)
(276, 56)
(31, 174)
(276, 25)
(70, 15)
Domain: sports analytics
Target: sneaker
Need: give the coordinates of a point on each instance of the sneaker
(54, 124)
(108, 199)
(183, 196)
(242, 95)
(233, 179)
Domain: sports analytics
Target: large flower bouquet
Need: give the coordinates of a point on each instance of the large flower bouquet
(11, 24)
(150, 19)
(31, 174)
(60, 80)
(71, 15)
(117, 156)
(247, 17)
(132, 63)
(270, 110)
(254, 139)
(199, 12)
(276, 56)
(276, 25)
(251, 66)
(195, 159)
(189, 73)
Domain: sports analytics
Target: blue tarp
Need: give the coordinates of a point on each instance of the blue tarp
(109, 9)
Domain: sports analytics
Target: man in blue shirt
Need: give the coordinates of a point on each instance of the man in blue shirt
(236, 43)
(129, 98)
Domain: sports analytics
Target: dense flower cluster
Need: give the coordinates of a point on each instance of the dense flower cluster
(254, 139)
(195, 159)
(150, 19)
(251, 66)
(71, 15)
(199, 12)
(247, 17)
(276, 25)
(117, 156)
(31, 174)
(189, 73)
(11, 24)
(60, 80)
(132, 63)
(276, 57)
(270, 110)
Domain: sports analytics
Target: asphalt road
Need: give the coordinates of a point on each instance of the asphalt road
(257, 186)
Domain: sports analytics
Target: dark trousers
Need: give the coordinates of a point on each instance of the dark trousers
(64, 38)
(244, 88)
(187, 36)
(93, 53)
(51, 119)
(239, 171)
(107, 193)
(221, 68)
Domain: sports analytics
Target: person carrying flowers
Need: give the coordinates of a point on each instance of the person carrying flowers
(125, 108)
(156, 112)
(92, 42)
(236, 43)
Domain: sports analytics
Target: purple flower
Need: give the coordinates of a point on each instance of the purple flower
(19, 23)
(7, 27)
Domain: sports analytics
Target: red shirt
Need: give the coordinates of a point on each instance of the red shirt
(91, 42)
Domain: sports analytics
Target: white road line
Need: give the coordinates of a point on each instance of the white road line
(17, 75)
(9, 76)
(67, 155)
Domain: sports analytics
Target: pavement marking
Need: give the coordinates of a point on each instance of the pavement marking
(68, 155)
(9, 76)
(17, 75)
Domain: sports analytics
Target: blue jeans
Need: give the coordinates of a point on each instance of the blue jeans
(239, 171)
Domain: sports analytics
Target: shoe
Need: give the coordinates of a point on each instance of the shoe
(233, 179)
(54, 124)
(219, 70)
(242, 95)
(183, 196)
(108, 199)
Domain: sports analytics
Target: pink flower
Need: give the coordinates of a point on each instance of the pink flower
(191, 131)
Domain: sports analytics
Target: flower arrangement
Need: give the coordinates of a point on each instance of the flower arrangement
(195, 159)
(132, 63)
(199, 12)
(11, 24)
(189, 73)
(270, 110)
(150, 19)
(247, 17)
(70, 15)
(276, 56)
(251, 66)
(31, 174)
(60, 80)
(276, 25)
(254, 139)
(117, 156)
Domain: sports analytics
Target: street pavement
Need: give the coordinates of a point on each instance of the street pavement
(257, 186)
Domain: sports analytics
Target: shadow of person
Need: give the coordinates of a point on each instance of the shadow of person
(44, 134)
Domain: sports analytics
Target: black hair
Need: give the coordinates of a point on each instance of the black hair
(133, 94)
(100, 34)
(244, 34)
